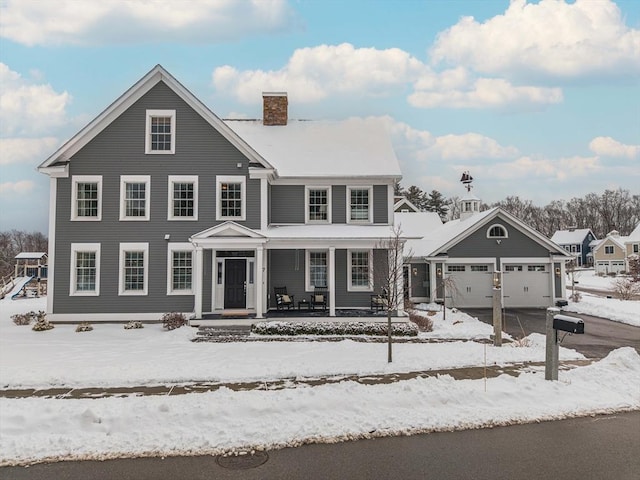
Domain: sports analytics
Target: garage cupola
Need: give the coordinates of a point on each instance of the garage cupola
(469, 204)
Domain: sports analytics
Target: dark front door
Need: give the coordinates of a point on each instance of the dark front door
(235, 276)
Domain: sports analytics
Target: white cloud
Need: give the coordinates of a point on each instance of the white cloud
(470, 146)
(314, 73)
(608, 147)
(483, 93)
(113, 21)
(550, 38)
(26, 150)
(23, 186)
(528, 168)
(27, 108)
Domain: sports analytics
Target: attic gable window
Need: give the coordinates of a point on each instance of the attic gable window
(497, 231)
(160, 132)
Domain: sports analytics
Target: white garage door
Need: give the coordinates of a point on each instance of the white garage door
(610, 266)
(526, 285)
(472, 285)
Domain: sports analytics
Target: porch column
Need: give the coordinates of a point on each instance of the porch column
(259, 280)
(332, 281)
(198, 283)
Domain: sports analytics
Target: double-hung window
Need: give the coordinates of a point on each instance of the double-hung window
(316, 269)
(134, 268)
(135, 193)
(608, 249)
(360, 272)
(318, 204)
(180, 260)
(183, 197)
(85, 269)
(359, 204)
(86, 203)
(231, 197)
(160, 136)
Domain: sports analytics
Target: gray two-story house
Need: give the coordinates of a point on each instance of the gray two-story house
(159, 205)
(576, 241)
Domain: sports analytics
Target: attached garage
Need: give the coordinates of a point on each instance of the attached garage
(609, 266)
(472, 285)
(526, 285)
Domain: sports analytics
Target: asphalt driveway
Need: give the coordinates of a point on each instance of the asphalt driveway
(601, 336)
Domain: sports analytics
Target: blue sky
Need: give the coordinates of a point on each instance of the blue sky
(537, 99)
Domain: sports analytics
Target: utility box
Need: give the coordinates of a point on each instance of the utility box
(569, 324)
(562, 303)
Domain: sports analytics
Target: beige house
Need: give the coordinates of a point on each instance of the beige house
(610, 254)
(632, 244)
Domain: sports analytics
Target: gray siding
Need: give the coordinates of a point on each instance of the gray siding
(517, 245)
(380, 204)
(419, 282)
(287, 204)
(339, 204)
(119, 150)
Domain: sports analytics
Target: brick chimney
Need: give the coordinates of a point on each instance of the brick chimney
(274, 108)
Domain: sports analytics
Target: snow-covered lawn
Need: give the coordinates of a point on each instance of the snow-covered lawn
(36, 429)
(624, 311)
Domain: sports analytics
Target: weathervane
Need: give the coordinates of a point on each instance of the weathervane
(466, 180)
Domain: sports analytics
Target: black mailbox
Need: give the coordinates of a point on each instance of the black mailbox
(569, 324)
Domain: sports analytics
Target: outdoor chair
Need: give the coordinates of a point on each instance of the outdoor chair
(283, 299)
(319, 298)
(379, 302)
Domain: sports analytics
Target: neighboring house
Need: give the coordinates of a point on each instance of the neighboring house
(402, 204)
(609, 254)
(632, 245)
(470, 250)
(158, 205)
(577, 242)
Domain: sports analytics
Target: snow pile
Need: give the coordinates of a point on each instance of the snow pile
(37, 429)
(624, 311)
(456, 325)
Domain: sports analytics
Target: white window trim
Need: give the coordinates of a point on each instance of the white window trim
(83, 247)
(350, 286)
(220, 179)
(146, 179)
(506, 232)
(179, 247)
(182, 179)
(370, 219)
(147, 142)
(307, 268)
(613, 250)
(75, 179)
(133, 247)
(306, 203)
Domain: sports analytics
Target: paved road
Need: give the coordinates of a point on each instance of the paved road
(585, 448)
(601, 336)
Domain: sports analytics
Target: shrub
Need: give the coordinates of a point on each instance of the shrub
(333, 328)
(173, 320)
(133, 325)
(425, 324)
(23, 318)
(84, 327)
(626, 288)
(42, 324)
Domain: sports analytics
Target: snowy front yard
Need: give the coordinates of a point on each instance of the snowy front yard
(37, 429)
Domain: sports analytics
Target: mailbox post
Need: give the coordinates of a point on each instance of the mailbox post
(555, 323)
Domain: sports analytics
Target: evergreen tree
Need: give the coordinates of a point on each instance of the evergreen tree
(435, 202)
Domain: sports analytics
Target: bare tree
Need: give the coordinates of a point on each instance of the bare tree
(391, 279)
(16, 241)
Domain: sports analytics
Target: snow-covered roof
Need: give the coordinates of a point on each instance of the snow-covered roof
(401, 202)
(615, 239)
(635, 235)
(30, 255)
(566, 237)
(349, 148)
(417, 224)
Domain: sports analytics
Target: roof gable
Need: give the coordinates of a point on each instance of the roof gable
(405, 203)
(132, 95)
(458, 232)
(575, 236)
(227, 229)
